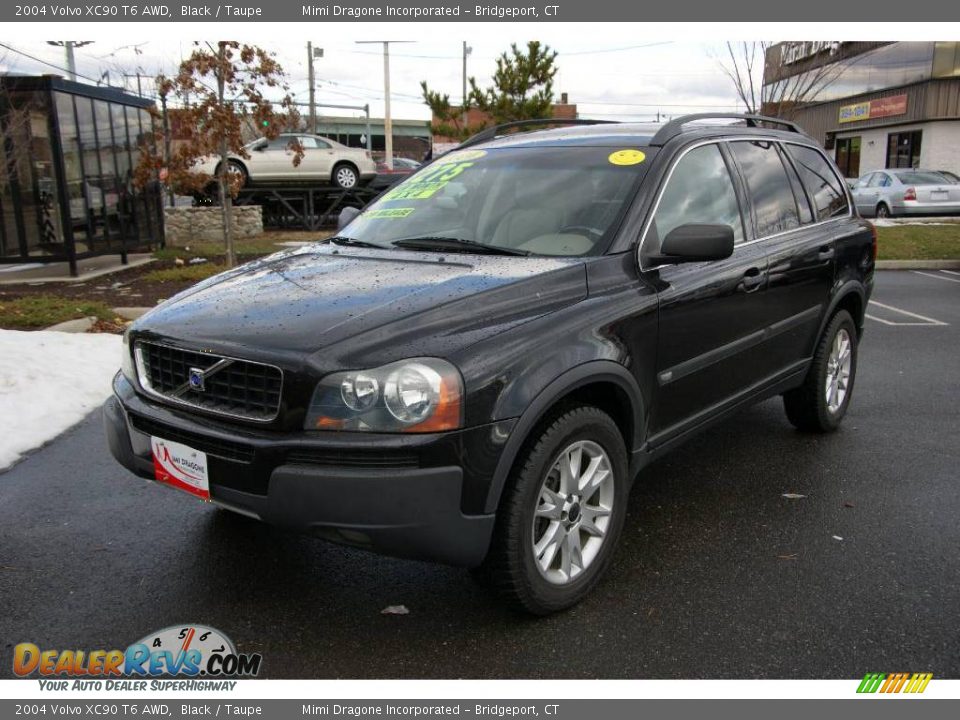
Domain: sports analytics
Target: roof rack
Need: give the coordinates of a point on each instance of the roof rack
(675, 127)
(496, 131)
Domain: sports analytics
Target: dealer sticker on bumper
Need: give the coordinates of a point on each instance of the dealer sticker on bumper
(180, 466)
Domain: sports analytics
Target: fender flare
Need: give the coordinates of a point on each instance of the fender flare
(851, 286)
(585, 374)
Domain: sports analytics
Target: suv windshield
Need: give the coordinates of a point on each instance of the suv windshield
(538, 201)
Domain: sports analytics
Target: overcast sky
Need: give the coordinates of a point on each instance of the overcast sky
(609, 72)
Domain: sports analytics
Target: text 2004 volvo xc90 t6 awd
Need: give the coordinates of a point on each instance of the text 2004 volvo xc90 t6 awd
(474, 370)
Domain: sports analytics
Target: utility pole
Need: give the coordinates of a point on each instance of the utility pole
(466, 51)
(313, 99)
(68, 46)
(387, 120)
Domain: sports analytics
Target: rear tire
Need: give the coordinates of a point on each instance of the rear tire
(883, 211)
(345, 176)
(557, 530)
(821, 402)
(234, 170)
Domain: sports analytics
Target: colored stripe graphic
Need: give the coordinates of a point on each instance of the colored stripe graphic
(913, 683)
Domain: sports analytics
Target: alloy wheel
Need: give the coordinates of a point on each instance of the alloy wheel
(573, 511)
(346, 177)
(838, 370)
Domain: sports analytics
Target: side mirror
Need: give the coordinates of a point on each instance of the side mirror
(346, 216)
(695, 242)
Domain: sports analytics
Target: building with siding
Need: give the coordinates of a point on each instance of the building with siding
(876, 105)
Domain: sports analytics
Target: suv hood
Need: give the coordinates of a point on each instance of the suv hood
(380, 305)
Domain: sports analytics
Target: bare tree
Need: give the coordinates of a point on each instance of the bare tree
(744, 64)
(14, 134)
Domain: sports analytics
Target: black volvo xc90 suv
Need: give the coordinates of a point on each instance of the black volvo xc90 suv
(477, 366)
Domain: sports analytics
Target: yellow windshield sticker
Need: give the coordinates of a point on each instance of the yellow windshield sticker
(626, 157)
(388, 213)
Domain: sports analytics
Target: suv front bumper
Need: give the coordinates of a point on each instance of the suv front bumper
(413, 511)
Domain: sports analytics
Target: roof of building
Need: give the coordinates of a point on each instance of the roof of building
(57, 83)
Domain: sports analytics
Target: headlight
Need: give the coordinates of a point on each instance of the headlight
(418, 395)
(126, 362)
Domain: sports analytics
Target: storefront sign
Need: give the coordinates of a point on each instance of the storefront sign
(872, 109)
(794, 52)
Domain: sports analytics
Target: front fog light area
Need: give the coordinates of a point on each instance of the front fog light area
(417, 395)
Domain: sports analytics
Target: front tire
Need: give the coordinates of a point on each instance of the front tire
(821, 402)
(561, 514)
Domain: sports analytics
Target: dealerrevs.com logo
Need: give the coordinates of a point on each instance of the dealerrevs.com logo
(891, 683)
(183, 651)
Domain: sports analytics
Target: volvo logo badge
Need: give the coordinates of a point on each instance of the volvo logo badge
(196, 379)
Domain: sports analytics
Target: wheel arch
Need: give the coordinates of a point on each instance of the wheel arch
(341, 163)
(602, 383)
(851, 297)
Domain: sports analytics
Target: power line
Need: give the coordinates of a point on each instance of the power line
(44, 62)
(618, 49)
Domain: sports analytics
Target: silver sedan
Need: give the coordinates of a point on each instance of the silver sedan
(887, 193)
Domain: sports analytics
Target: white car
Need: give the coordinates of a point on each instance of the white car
(324, 161)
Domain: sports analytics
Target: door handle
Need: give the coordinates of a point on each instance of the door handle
(752, 280)
(825, 253)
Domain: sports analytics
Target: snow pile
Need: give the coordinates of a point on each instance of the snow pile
(50, 381)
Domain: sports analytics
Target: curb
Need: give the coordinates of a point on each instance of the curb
(918, 265)
(80, 325)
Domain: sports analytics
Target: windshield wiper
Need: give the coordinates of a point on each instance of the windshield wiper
(453, 244)
(343, 240)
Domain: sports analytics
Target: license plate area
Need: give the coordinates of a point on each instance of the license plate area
(180, 466)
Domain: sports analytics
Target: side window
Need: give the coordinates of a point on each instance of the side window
(821, 181)
(309, 143)
(885, 180)
(699, 191)
(803, 204)
(321, 144)
(279, 143)
(773, 201)
(876, 180)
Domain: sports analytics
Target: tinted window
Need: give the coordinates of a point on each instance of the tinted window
(822, 183)
(699, 191)
(773, 201)
(803, 204)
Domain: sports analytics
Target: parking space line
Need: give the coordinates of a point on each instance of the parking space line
(951, 272)
(927, 321)
(935, 276)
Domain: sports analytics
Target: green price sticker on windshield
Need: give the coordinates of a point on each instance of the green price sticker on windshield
(388, 213)
(428, 182)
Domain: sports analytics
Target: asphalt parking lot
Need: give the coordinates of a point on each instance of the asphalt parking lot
(718, 575)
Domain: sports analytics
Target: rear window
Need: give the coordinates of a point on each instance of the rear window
(821, 182)
(922, 178)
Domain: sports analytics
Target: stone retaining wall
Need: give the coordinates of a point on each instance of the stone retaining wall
(183, 225)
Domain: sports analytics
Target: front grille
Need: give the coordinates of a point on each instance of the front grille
(238, 388)
(226, 449)
(353, 459)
